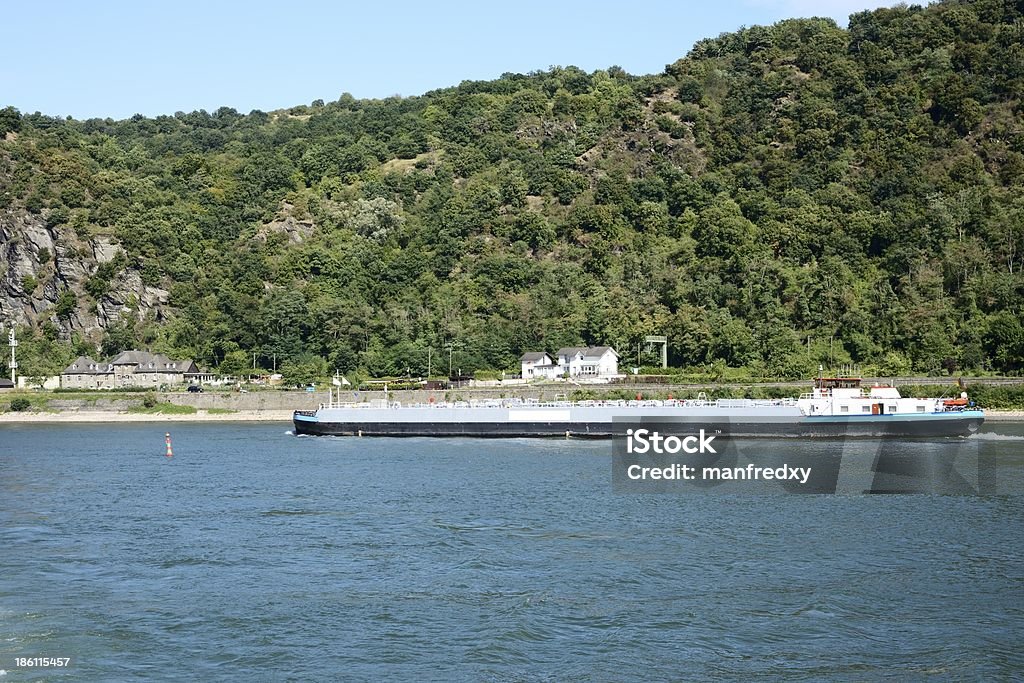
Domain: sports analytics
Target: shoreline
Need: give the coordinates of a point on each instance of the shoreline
(1004, 415)
(122, 416)
(111, 416)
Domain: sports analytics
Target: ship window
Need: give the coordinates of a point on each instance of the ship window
(892, 409)
(920, 409)
(844, 409)
(865, 409)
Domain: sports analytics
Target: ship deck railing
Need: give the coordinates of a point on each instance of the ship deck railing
(530, 403)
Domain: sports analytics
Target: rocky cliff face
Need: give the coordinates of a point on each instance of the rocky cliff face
(39, 262)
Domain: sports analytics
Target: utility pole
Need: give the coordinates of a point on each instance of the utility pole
(451, 351)
(13, 344)
(429, 349)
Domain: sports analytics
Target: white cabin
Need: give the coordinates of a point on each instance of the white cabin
(845, 396)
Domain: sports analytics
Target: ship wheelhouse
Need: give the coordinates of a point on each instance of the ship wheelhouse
(845, 396)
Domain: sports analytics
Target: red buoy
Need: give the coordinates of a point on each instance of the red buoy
(167, 440)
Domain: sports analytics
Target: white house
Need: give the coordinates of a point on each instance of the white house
(537, 364)
(587, 362)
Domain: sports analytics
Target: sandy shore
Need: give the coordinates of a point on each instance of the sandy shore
(1004, 415)
(252, 416)
(113, 416)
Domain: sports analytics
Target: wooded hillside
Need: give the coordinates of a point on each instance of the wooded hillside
(783, 196)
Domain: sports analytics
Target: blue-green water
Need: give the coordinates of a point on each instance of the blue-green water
(254, 555)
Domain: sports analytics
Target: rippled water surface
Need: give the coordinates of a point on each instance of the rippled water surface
(255, 555)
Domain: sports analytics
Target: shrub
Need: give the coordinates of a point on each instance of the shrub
(149, 400)
(66, 304)
(19, 404)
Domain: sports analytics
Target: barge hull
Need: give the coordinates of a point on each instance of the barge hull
(935, 425)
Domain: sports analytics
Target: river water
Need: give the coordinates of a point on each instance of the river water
(256, 555)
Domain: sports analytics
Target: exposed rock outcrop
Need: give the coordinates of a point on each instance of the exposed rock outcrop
(297, 231)
(39, 262)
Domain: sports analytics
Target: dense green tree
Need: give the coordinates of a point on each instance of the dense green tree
(10, 120)
(117, 338)
(304, 369)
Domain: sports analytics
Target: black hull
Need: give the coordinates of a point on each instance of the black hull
(815, 428)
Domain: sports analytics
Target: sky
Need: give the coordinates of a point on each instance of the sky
(112, 58)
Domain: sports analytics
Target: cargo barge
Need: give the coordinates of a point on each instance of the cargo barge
(837, 407)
